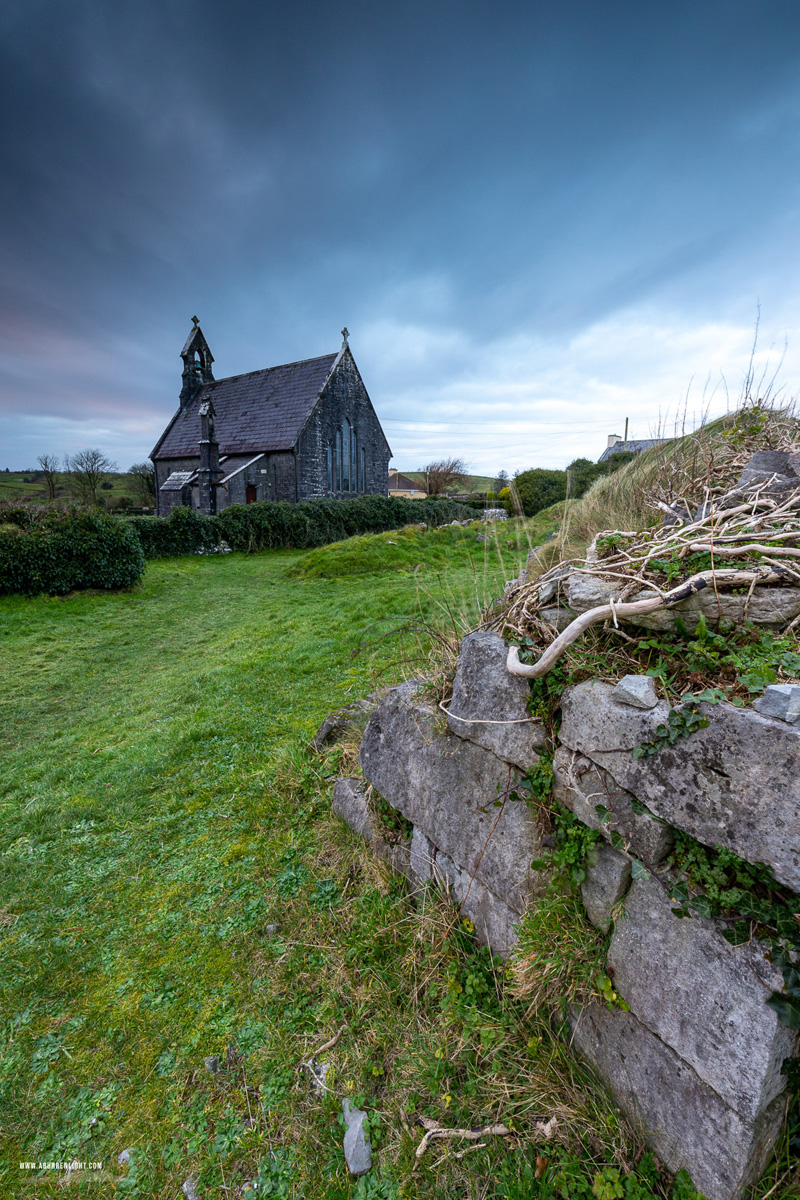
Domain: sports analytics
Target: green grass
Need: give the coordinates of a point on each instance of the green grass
(159, 810)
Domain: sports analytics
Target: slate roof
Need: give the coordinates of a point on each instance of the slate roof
(398, 483)
(176, 481)
(255, 413)
(633, 447)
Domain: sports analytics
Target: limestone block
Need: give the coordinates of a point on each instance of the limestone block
(495, 923)
(782, 701)
(608, 877)
(767, 464)
(581, 786)
(350, 803)
(684, 1120)
(735, 783)
(558, 617)
(484, 689)
(703, 997)
(423, 853)
(772, 607)
(639, 691)
(447, 787)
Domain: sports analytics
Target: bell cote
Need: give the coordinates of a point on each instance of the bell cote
(197, 360)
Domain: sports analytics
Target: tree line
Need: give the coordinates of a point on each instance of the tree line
(86, 473)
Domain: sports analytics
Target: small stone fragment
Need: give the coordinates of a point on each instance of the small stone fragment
(608, 877)
(212, 1064)
(357, 1148)
(125, 1156)
(271, 930)
(189, 1188)
(780, 700)
(637, 690)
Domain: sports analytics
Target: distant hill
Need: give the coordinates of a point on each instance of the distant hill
(30, 485)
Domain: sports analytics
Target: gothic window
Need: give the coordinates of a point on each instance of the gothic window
(363, 469)
(354, 461)
(329, 463)
(338, 462)
(346, 456)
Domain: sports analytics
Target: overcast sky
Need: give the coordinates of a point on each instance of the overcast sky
(535, 218)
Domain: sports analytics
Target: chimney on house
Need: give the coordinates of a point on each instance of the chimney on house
(613, 439)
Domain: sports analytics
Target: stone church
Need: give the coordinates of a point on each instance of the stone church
(300, 431)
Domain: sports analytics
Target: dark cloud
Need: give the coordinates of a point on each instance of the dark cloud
(482, 170)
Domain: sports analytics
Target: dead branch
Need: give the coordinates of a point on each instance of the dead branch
(730, 577)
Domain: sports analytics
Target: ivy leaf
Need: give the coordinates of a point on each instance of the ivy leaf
(639, 870)
(738, 934)
(701, 906)
(785, 924)
(637, 806)
(787, 1009)
(680, 892)
(617, 840)
(680, 913)
(602, 813)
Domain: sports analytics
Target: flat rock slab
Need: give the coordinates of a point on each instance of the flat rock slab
(582, 786)
(703, 997)
(350, 803)
(484, 690)
(735, 783)
(495, 923)
(684, 1120)
(447, 787)
(772, 607)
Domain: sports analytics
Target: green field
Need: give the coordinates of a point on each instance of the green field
(160, 810)
(30, 485)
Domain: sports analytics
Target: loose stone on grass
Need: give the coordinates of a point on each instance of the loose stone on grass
(212, 1064)
(125, 1156)
(189, 1188)
(357, 1148)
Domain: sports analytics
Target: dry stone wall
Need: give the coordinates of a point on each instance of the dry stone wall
(696, 1058)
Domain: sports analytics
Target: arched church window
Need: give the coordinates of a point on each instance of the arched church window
(363, 480)
(337, 466)
(354, 461)
(346, 456)
(329, 464)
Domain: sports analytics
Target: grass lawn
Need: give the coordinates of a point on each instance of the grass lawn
(160, 814)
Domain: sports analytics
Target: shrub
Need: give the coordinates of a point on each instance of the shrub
(539, 488)
(272, 525)
(65, 551)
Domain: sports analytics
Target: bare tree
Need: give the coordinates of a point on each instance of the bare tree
(144, 482)
(442, 475)
(87, 470)
(49, 465)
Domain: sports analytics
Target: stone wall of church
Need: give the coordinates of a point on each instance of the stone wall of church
(345, 399)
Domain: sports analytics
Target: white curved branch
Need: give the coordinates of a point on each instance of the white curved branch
(727, 576)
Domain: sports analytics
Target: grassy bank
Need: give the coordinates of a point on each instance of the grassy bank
(160, 815)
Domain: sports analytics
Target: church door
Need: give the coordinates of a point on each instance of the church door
(250, 494)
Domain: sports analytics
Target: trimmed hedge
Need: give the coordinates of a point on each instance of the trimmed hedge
(56, 552)
(271, 525)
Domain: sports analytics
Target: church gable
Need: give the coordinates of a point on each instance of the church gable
(291, 432)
